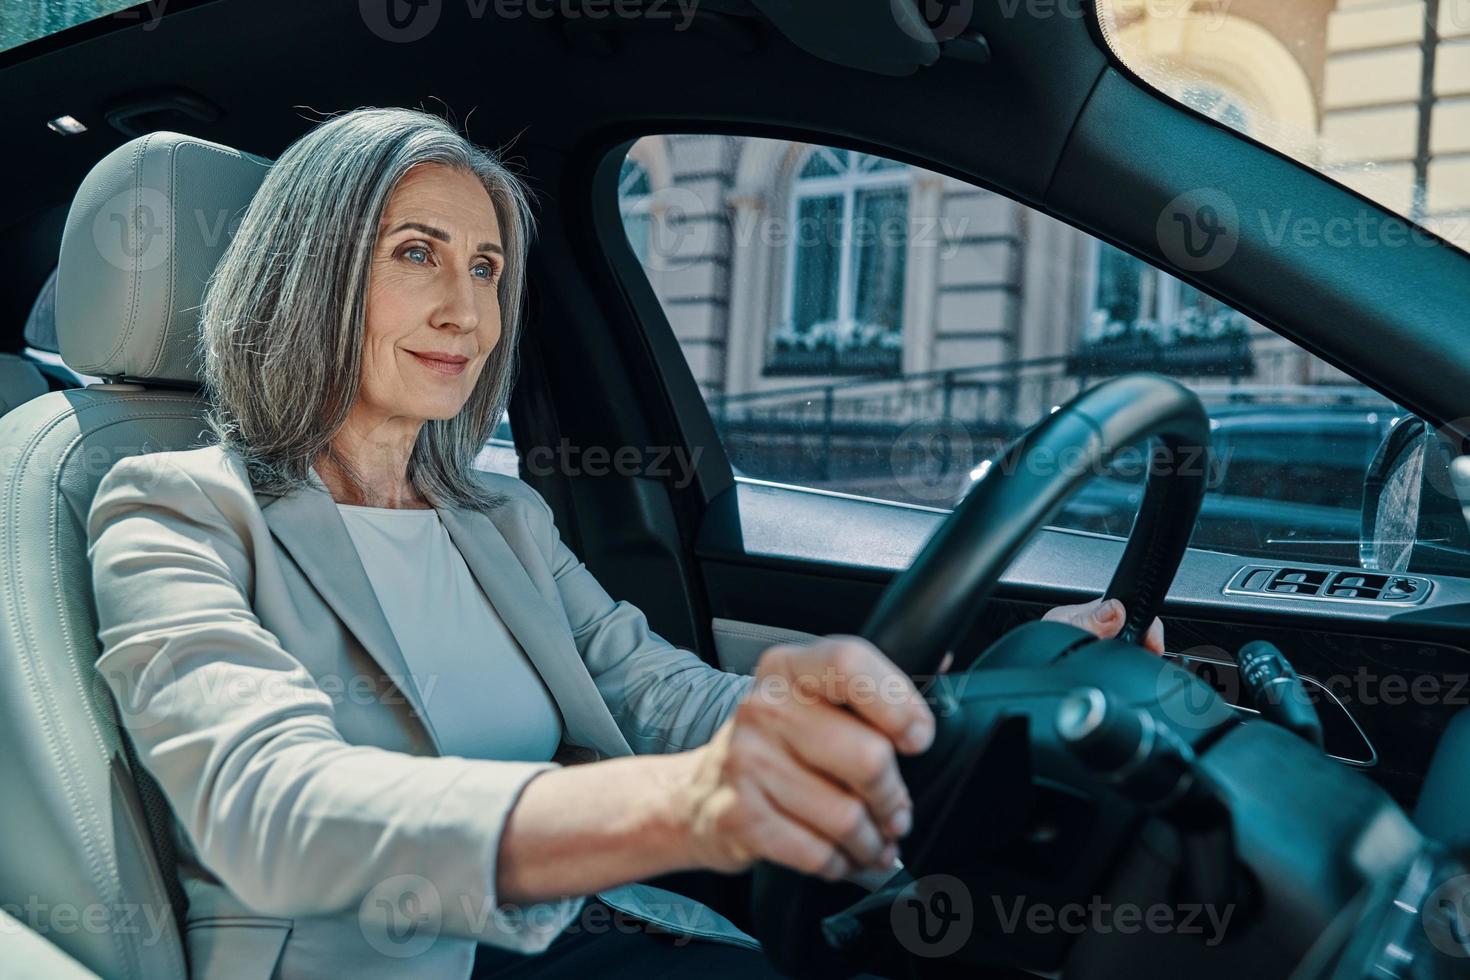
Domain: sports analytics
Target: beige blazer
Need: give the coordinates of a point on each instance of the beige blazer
(320, 831)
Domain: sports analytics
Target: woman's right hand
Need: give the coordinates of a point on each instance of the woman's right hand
(805, 771)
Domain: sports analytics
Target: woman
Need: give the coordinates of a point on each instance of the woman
(353, 663)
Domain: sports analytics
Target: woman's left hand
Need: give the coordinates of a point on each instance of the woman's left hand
(1105, 619)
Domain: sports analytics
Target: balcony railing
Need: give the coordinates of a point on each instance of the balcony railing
(1227, 356)
(828, 359)
(839, 434)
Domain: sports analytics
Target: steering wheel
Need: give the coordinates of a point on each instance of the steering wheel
(924, 611)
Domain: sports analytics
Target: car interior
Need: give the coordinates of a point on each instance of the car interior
(1337, 835)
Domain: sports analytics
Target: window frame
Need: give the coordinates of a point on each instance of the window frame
(642, 206)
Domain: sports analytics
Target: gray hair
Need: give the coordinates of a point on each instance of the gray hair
(282, 318)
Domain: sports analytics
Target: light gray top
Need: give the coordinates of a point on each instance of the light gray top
(481, 694)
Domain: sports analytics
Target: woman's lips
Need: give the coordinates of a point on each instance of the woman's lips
(442, 367)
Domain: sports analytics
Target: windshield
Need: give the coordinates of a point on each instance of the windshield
(23, 21)
(1375, 95)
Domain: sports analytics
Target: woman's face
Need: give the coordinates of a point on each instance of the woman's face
(433, 313)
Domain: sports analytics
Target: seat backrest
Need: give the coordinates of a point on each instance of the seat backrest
(77, 841)
(20, 381)
(40, 328)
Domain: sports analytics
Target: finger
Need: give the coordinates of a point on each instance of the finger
(842, 747)
(1153, 640)
(784, 840)
(848, 670)
(821, 806)
(1083, 615)
(1067, 614)
(1105, 619)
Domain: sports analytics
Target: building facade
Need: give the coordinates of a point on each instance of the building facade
(786, 265)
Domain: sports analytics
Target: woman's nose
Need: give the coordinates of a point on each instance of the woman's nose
(457, 306)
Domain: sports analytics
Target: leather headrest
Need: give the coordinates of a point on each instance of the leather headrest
(145, 231)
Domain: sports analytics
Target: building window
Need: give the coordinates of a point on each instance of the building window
(634, 191)
(1144, 319)
(844, 294)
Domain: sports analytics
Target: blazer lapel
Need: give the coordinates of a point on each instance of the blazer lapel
(312, 531)
(537, 626)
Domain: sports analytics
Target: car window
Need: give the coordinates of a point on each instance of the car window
(40, 328)
(26, 20)
(867, 327)
(498, 455)
(1373, 93)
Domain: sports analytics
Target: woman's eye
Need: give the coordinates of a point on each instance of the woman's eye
(487, 272)
(417, 254)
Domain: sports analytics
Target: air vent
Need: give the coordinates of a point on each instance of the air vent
(1349, 585)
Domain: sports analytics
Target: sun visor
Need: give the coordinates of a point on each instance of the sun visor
(888, 37)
